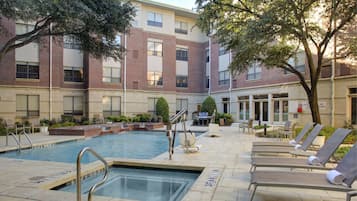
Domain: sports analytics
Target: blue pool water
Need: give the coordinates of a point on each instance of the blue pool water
(140, 184)
(133, 144)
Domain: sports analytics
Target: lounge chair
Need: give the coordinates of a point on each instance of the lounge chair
(304, 146)
(317, 161)
(213, 130)
(188, 142)
(246, 125)
(347, 169)
(292, 143)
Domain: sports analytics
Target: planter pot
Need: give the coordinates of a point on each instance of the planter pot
(44, 129)
(319, 141)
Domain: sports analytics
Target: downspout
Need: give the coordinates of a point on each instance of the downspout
(230, 82)
(51, 92)
(124, 77)
(209, 66)
(333, 71)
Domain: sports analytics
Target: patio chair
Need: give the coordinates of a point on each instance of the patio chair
(291, 143)
(346, 174)
(188, 142)
(317, 161)
(285, 150)
(246, 125)
(213, 130)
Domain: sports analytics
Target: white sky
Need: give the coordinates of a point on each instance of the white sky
(188, 4)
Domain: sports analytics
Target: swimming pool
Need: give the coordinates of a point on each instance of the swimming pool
(131, 144)
(144, 184)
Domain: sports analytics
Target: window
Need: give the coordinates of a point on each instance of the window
(73, 105)
(154, 19)
(22, 28)
(155, 48)
(207, 82)
(181, 27)
(181, 104)
(27, 105)
(226, 105)
(223, 77)
(254, 71)
(73, 74)
(155, 79)
(298, 62)
(111, 74)
(222, 51)
(182, 54)
(71, 42)
(27, 70)
(353, 94)
(152, 105)
(285, 110)
(243, 107)
(181, 81)
(111, 106)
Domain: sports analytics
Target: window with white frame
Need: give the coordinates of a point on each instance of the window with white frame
(181, 54)
(181, 104)
(280, 107)
(154, 19)
(243, 107)
(181, 81)
(154, 48)
(22, 28)
(27, 105)
(27, 70)
(71, 42)
(298, 62)
(222, 51)
(181, 27)
(154, 78)
(152, 105)
(254, 71)
(223, 77)
(111, 106)
(73, 74)
(111, 74)
(73, 105)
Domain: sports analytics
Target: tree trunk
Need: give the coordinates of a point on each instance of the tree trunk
(314, 106)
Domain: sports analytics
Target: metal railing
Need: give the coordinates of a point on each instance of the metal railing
(171, 134)
(18, 135)
(79, 181)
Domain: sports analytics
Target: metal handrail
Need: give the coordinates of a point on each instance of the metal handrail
(27, 137)
(92, 189)
(180, 116)
(16, 140)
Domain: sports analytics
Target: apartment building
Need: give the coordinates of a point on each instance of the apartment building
(166, 56)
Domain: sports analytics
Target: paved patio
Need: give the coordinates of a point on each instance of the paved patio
(226, 162)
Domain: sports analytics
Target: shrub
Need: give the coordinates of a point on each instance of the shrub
(341, 152)
(44, 122)
(162, 109)
(259, 127)
(144, 117)
(228, 120)
(209, 105)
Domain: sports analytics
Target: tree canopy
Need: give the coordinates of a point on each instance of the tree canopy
(94, 24)
(273, 32)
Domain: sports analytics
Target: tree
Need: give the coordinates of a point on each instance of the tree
(274, 31)
(162, 109)
(209, 105)
(95, 24)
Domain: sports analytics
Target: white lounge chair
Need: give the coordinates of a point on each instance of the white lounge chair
(213, 130)
(188, 142)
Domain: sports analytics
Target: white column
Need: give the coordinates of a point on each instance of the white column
(251, 112)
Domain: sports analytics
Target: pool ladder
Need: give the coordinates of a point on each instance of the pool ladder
(178, 117)
(79, 175)
(18, 135)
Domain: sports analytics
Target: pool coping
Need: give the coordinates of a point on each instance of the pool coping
(206, 182)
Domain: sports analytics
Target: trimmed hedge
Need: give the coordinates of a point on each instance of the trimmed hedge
(162, 109)
(209, 105)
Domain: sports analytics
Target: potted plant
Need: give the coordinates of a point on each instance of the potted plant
(44, 125)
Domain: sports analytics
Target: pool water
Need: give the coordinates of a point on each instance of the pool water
(133, 144)
(140, 184)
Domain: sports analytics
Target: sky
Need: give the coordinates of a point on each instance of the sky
(188, 4)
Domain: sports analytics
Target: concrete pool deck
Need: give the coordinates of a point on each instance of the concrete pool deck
(226, 163)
